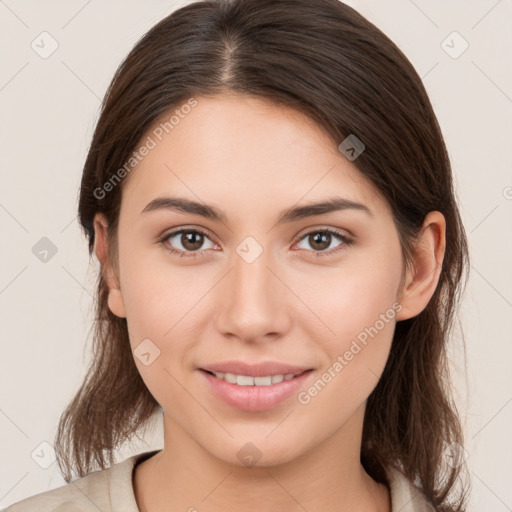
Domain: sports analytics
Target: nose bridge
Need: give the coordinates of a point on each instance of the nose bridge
(251, 302)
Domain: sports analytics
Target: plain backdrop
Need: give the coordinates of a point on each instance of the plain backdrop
(49, 105)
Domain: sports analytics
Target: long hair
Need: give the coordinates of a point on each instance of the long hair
(323, 59)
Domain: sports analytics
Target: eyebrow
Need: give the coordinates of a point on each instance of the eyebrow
(183, 205)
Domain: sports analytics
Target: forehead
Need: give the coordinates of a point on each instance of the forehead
(244, 151)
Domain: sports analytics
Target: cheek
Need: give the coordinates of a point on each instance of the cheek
(163, 305)
(361, 315)
(357, 307)
(155, 295)
(166, 315)
(161, 323)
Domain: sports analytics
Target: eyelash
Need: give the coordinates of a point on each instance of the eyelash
(187, 254)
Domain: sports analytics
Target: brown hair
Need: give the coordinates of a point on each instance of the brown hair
(324, 59)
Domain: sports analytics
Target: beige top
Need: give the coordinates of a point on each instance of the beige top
(111, 490)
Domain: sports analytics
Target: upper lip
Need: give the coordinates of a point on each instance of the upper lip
(255, 370)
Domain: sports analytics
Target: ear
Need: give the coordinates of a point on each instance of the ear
(102, 251)
(421, 280)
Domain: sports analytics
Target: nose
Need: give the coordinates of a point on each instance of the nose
(253, 301)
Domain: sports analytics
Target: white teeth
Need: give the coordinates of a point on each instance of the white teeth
(277, 378)
(247, 380)
(244, 380)
(229, 377)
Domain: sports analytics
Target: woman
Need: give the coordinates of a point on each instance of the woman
(271, 202)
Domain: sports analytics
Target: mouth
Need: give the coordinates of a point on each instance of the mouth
(254, 393)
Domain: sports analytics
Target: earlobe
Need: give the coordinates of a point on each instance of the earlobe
(115, 302)
(101, 249)
(422, 278)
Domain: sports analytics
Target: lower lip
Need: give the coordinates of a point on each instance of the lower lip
(255, 398)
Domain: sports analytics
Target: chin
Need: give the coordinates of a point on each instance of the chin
(257, 451)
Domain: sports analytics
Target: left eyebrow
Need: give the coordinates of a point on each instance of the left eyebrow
(291, 214)
(329, 205)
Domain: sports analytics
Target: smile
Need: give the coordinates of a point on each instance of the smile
(254, 394)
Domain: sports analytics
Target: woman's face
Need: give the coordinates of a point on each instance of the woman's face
(257, 286)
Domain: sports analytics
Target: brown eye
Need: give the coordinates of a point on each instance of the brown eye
(186, 241)
(322, 239)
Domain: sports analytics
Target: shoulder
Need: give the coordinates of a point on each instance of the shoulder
(108, 490)
(405, 496)
(90, 492)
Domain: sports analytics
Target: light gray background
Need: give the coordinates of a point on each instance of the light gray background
(48, 110)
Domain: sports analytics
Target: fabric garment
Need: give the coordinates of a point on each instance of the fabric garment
(111, 490)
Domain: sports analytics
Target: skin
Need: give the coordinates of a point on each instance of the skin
(252, 159)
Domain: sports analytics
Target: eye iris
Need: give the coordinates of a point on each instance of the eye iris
(192, 240)
(324, 239)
